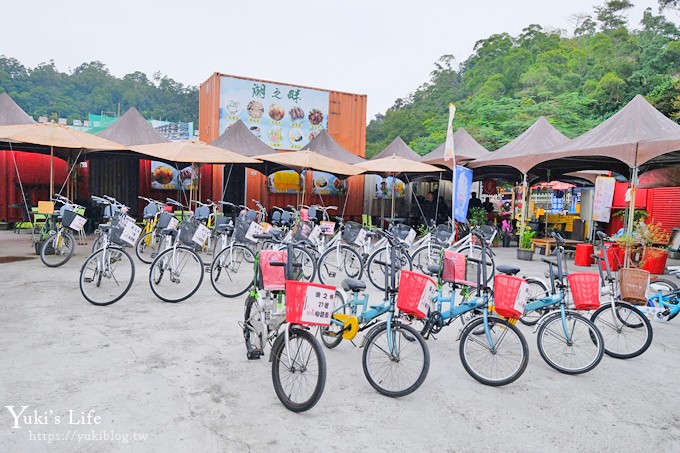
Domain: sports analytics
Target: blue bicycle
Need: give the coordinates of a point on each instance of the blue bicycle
(492, 350)
(396, 358)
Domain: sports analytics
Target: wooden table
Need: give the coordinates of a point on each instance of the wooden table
(548, 243)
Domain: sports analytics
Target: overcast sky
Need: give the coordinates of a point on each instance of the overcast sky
(384, 49)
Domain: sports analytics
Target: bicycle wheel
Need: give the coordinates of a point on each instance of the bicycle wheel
(147, 246)
(107, 276)
(252, 329)
(57, 249)
(307, 271)
(626, 330)
(501, 365)
(473, 269)
(665, 286)
(376, 272)
(426, 255)
(98, 243)
(337, 264)
(298, 370)
(579, 353)
(231, 271)
(395, 361)
(537, 290)
(176, 274)
(331, 336)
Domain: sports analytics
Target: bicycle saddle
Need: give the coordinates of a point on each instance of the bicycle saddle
(507, 269)
(433, 269)
(354, 285)
(202, 213)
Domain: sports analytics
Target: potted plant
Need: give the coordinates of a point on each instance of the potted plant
(477, 217)
(524, 252)
(653, 257)
(506, 232)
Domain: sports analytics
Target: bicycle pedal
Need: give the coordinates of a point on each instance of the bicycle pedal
(255, 354)
(88, 280)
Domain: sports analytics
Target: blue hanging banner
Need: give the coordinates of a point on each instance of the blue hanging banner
(461, 193)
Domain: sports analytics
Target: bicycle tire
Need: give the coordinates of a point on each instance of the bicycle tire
(254, 339)
(426, 255)
(109, 288)
(580, 354)
(303, 347)
(57, 254)
(380, 364)
(231, 271)
(632, 338)
(331, 335)
(337, 264)
(175, 261)
(376, 272)
(98, 243)
(475, 251)
(668, 285)
(475, 352)
(147, 249)
(537, 290)
(307, 271)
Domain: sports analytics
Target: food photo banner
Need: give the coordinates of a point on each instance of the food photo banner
(165, 177)
(282, 116)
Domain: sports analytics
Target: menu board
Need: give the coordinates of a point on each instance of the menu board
(282, 116)
(602, 201)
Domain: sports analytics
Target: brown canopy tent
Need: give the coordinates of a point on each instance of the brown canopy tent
(11, 113)
(513, 159)
(119, 175)
(326, 145)
(466, 148)
(397, 148)
(636, 135)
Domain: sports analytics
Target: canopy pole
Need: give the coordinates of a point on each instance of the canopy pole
(631, 209)
(51, 172)
(525, 199)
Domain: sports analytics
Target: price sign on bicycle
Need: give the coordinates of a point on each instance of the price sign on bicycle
(201, 235)
(318, 306)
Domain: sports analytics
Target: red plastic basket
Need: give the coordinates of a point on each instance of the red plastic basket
(454, 267)
(415, 293)
(510, 295)
(273, 277)
(308, 303)
(585, 290)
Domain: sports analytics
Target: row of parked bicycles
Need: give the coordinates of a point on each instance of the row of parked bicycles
(299, 271)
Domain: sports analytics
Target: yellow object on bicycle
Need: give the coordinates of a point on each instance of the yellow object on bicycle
(512, 321)
(351, 325)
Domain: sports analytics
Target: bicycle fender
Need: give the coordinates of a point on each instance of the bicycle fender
(375, 327)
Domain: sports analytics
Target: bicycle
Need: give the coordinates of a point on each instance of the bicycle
(468, 245)
(627, 331)
(567, 341)
(177, 272)
(404, 236)
(298, 362)
(663, 304)
(492, 349)
(60, 245)
(340, 260)
(108, 273)
(396, 358)
(156, 219)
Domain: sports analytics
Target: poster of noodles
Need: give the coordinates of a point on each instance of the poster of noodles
(282, 116)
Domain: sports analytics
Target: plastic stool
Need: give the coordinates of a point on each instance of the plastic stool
(583, 257)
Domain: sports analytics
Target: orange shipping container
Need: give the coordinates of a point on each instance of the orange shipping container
(266, 106)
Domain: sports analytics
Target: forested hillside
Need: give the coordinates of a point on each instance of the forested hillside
(575, 81)
(90, 88)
